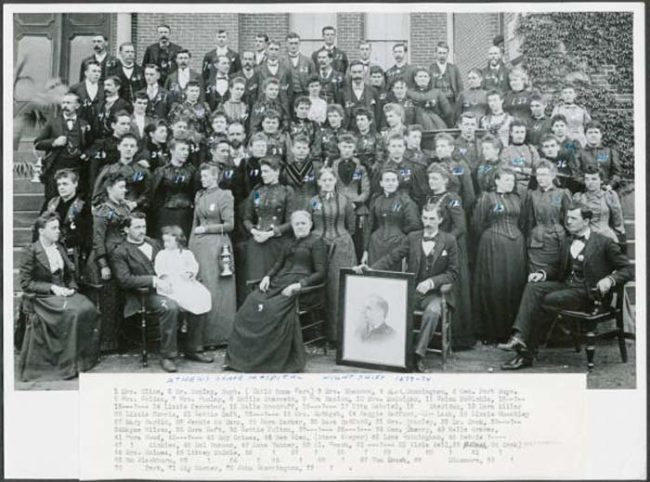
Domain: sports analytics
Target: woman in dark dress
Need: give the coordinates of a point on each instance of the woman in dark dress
(454, 222)
(266, 218)
(174, 187)
(500, 273)
(393, 214)
(267, 336)
(108, 223)
(543, 218)
(334, 221)
(62, 334)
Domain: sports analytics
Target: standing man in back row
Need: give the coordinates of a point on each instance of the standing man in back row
(446, 76)
(163, 54)
(339, 59)
(221, 50)
(100, 54)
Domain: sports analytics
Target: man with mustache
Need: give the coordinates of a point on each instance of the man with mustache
(163, 54)
(106, 60)
(130, 74)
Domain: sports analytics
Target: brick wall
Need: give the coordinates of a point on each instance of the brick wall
(275, 25)
(195, 32)
(427, 29)
(473, 35)
(112, 36)
(350, 29)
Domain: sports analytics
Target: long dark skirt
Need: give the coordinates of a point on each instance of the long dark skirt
(463, 326)
(110, 302)
(260, 257)
(499, 282)
(61, 339)
(266, 336)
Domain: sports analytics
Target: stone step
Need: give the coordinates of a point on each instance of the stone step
(24, 219)
(16, 280)
(608, 68)
(17, 255)
(629, 228)
(28, 202)
(25, 186)
(624, 98)
(22, 236)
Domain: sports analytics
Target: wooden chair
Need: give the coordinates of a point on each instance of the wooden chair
(443, 334)
(582, 325)
(312, 316)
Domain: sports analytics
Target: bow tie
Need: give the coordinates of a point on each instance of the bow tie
(580, 238)
(68, 119)
(225, 77)
(428, 238)
(128, 67)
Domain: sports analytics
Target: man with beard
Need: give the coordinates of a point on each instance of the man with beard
(495, 74)
(357, 94)
(221, 50)
(129, 73)
(249, 74)
(163, 54)
(402, 69)
(301, 66)
(64, 140)
(106, 61)
(446, 76)
(339, 59)
(331, 80)
(111, 104)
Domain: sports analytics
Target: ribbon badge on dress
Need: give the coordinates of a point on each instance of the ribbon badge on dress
(138, 176)
(602, 157)
(556, 200)
(484, 168)
(356, 175)
(499, 208)
(228, 173)
(405, 173)
(256, 198)
(454, 203)
(179, 178)
(397, 206)
(518, 161)
(458, 171)
(316, 205)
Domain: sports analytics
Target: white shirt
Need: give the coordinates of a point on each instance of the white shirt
(294, 60)
(222, 51)
(147, 249)
(358, 91)
(54, 257)
(427, 247)
(92, 90)
(221, 85)
(273, 68)
(183, 77)
(259, 56)
(578, 245)
(139, 121)
(101, 57)
(152, 92)
(442, 67)
(128, 71)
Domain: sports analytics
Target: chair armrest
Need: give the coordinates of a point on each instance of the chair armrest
(309, 289)
(88, 284)
(446, 288)
(252, 282)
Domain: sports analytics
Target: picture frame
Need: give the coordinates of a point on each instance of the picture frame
(375, 323)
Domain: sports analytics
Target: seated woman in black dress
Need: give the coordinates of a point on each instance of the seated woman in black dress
(62, 334)
(266, 336)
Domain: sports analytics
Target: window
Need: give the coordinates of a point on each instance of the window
(309, 26)
(384, 30)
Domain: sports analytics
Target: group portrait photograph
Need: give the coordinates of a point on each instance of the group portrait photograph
(322, 191)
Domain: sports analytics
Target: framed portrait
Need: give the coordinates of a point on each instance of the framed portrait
(376, 320)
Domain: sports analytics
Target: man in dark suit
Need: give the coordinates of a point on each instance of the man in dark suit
(589, 267)
(64, 140)
(221, 49)
(131, 75)
(433, 257)
(249, 74)
(495, 73)
(446, 76)
(100, 55)
(402, 69)
(357, 93)
(159, 98)
(90, 92)
(301, 66)
(339, 58)
(272, 67)
(177, 81)
(111, 104)
(133, 265)
(162, 54)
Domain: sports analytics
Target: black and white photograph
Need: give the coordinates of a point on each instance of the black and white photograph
(328, 190)
(181, 180)
(376, 320)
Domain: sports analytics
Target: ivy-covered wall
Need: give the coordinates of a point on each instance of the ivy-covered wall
(593, 50)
